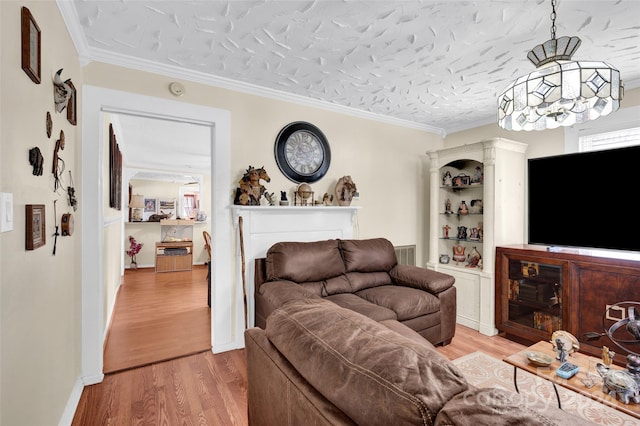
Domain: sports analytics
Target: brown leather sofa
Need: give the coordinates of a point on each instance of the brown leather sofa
(320, 364)
(360, 275)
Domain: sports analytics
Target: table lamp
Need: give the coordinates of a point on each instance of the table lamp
(137, 205)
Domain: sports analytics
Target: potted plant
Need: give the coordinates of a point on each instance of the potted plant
(134, 248)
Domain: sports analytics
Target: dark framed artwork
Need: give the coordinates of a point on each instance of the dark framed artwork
(115, 171)
(31, 46)
(35, 235)
(72, 105)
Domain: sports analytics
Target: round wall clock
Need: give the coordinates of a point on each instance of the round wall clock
(302, 152)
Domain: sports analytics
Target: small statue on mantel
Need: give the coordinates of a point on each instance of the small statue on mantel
(345, 190)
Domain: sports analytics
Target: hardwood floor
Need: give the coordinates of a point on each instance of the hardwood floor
(157, 317)
(207, 388)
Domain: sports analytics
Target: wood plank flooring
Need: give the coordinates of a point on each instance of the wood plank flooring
(157, 317)
(207, 388)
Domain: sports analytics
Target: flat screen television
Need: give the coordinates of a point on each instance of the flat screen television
(586, 200)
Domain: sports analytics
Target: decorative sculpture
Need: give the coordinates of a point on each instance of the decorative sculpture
(250, 190)
(345, 190)
(61, 91)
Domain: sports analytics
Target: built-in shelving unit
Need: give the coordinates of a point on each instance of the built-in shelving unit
(477, 197)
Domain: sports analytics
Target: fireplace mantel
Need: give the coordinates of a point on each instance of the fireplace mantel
(264, 226)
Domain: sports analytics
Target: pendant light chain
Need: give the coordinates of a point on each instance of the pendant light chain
(553, 19)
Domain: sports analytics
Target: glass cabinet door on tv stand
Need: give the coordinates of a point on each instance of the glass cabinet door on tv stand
(531, 295)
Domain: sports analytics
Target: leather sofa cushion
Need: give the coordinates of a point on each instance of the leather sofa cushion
(373, 374)
(302, 262)
(406, 302)
(361, 280)
(358, 304)
(372, 255)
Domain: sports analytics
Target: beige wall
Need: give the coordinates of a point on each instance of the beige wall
(385, 161)
(40, 293)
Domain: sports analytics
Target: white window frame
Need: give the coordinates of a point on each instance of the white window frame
(624, 118)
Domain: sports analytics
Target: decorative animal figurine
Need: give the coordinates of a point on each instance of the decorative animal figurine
(619, 383)
(270, 198)
(159, 217)
(327, 199)
(345, 190)
(36, 160)
(61, 91)
(250, 190)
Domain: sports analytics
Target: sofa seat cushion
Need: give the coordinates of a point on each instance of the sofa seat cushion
(406, 302)
(358, 304)
(373, 374)
(304, 262)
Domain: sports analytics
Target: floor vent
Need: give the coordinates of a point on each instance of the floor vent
(406, 255)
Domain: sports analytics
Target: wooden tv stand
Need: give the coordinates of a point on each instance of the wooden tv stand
(541, 289)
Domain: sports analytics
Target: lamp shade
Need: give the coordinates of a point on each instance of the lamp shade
(137, 202)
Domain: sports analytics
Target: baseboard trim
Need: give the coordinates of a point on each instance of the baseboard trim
(72, 403)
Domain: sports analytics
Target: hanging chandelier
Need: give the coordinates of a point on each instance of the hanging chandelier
(560, 92)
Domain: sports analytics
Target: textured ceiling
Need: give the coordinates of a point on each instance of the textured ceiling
(435, 64)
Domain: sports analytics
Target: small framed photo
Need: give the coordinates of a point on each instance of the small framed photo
(31, 46)
(150, 208)
(35, 226)
(71, 105)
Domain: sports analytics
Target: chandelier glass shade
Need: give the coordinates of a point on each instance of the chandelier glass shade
(560, 92)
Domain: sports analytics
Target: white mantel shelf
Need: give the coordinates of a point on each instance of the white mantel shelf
(264, 226)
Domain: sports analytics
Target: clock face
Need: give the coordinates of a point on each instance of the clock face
(302, 152)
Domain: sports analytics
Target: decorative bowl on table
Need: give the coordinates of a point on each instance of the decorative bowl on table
(539, 359)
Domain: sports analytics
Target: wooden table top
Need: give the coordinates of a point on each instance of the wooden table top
(575, 383)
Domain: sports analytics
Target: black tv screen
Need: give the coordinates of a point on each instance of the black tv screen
(586, 200)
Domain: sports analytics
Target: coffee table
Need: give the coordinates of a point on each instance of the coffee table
(519, 361)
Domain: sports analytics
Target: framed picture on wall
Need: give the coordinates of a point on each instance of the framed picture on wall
(35, 236)
(72, 108)
(30, 46)
(150, 208)
(167, 206)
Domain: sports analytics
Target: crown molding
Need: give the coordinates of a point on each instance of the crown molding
(88, 54)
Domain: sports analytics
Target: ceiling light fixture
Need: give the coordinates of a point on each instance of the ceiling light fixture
(560, 92)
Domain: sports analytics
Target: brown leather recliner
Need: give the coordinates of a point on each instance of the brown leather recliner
(361, 275)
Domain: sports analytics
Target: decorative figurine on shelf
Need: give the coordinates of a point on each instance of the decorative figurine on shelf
(270, 198)
(250, 190)
(283, 198)
(474, 234)
(345, 190)
(473, 258)
(327, 199)
(607, 356)
(447, 179)
(477, 176)
(458, 253)
(446, 231)
(134, 248)
(444, 258)
(463, 209)
(561, 351)
(476, 207)
(462, 232)
(447, 207)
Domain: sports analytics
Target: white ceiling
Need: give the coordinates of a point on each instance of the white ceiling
(435, 65)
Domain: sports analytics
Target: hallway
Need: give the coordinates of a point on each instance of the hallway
(157, 317)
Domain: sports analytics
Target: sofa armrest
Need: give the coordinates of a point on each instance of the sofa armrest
(421, 278)
(277, 293)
